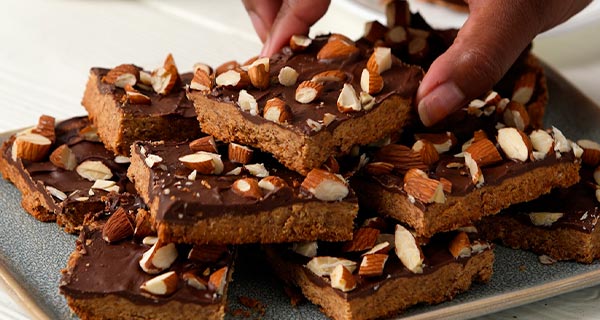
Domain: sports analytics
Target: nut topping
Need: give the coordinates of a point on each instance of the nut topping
(484, 152)
(363, 239)
(239, 153)
(308, 91)
(207, 252)
(348, 101)
(247, 102)
(30, 146)
(161, 285)
(329, 76)
(194, 281)
(591, 152)
(247, 188)
(45, 127)
(217, 280)
(545, 219)
(206, 144)
(272, 183)
(336, 49)
(514, 143)
(515, 115)
(371, 82)
(323, 266)
(277, 111)
(408, 250)
(342, 279)
(325, 185)
(542, 143)
(460, 246)
(158, 258)
(165, 78)
(203, 162)
(117, 227)
(425, 189)
(257, 170)
(135, 97)
(380, 60)
(122, 75)
(259, 75)
(201, 81)
(287, 76)
(428, 152)
(299, 42)
(524, 87)
(372, 265)
(63, 157)
(441, 141)
(93, 170)
(307, 249)
(374, 31)
(235, 78)
(379, 168)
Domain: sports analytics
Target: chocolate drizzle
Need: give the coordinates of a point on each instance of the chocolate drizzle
(401, 80)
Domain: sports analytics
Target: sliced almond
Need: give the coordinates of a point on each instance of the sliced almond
(106, 185)
(591, 152)
(372, 265)
(415, 173)
(307, 249)
(287, 76)
(259, 76)
(514, 143)
(577, 150)
(299, 42)
(203, 162)
(30, 146)
(308, 91)
(371, 82)
(56, 193)
(158, 258)
(380, 248)
(206, 144)
(63, 157)
(325, 185)
(561, 143)
(93, 170)
(484, 152)
(524, 88)
(329, 76)
(117, 227)
(342, 279)
(247, 102)
(201, 81)
(235, 79)
(348, 101)
(277, 110)
(239, 153)
(428, 152)
(426, 190)
(545, 219)
(374, 31)
(218, 280)
(380, 60)
(162, 285)
(460, 246)
(152, 159)
(247, 188)
(407, 250)
(397, 13)
(541, 141)
(337, 49)
(474, 170)
(272, 183)
(195, 281)
(363, 239)
(122, 75)
(323, 266)
(515, 115)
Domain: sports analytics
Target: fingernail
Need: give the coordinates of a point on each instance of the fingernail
(440, 102)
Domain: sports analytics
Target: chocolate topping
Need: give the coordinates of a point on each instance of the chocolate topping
(181, 200)
(173, 104)
(102, 268)
(401, 80)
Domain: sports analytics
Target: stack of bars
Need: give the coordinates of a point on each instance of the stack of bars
(170, 172)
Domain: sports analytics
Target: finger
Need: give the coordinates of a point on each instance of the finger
(294, 17)
(262, 14)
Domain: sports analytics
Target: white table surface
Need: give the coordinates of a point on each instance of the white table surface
(48, 46)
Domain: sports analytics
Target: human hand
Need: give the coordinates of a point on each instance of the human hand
(276, 21)
(494, 35)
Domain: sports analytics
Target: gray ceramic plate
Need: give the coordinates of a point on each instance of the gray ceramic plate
(33, 253)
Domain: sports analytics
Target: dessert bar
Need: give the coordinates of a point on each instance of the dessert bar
(204, 192)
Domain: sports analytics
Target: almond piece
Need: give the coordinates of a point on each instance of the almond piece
(299, 42)
(397, 13)
(206, 144)
(374, 31)
(337, 49)
(396, 36)
(561, 143)
(348, 100)
(363, 239)
(515, 115)
(545, 219)
(30, 146)
(247, 188)
(106, 185)
(380, 248)
(122, 75)
(226, 66)
(308, 91)
(63, 157)
(402, 157)
(45, 127)
(442, 142)
(117, 227)
(207, 252)
(277, 111)
(195, 281)
(56, 193)
(380, 60)
(161, 285)
(93, 170)
(202, 66)
(203, 162)
(366, 100)
(235, 79)
(542, 143)
(247, 102)
(257, 170)
(315, 126)
(427, 150)
(342, 279)
(379, 168)
(331, 165)
(201, 81)
(372, 265)
(158, 258)
(325, 185)
(474, 170)
(143, 226)
(135, 97)
(307, 249)
(287, 76)
(460, 246)
(272, 183)
(218, 280)
(323, 266)
(591, 152)
(329, 76)
(415, 173)
(165, 78)
(484, 152)
(577, 150)
(90, 133)
(492, 98)
(408, 250)
(371, 82)
(514, 143)
(426, 190)
(239, 153)
(524, 88)
(418, 49)
(152, 159)
(259, 76)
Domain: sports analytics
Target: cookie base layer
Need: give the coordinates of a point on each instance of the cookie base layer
(306, 221)
(119, 129)
(394, 295)
(297, 151)
(460, 211)
(560, 243)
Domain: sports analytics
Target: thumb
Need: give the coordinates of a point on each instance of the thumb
(492, 38)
